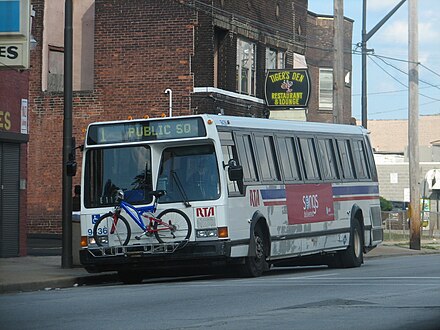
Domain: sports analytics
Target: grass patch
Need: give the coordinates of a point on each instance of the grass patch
(393, 236)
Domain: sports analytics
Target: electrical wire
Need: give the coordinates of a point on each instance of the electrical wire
(429, 97)
(404, 72)
(399, 109)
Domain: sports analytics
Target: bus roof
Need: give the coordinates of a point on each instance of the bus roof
(288, 125)
(261, 123)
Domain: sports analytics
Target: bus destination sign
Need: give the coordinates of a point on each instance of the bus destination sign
(148, 130)
(287, 88)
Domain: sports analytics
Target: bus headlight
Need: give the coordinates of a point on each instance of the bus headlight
(206, 233)
(220, 232)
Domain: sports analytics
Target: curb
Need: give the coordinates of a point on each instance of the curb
(55, 284)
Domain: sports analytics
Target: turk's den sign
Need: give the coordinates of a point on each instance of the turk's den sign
(287, 88)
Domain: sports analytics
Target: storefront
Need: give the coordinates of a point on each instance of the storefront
(13, 154)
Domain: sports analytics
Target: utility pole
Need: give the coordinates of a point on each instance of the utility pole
(66, 257)
(413, 128)
(365, 37)
(338, 62)
(364, 64)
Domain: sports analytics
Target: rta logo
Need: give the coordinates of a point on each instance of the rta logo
(254, 198)
(204, 212)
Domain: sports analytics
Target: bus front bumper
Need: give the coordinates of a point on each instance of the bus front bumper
(136, 257)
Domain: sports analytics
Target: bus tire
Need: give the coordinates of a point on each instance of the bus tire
(353, 256)
(255, 264)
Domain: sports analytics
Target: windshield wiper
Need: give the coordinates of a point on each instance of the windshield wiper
(181, 189)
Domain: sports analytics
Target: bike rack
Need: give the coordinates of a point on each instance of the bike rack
(136, 250)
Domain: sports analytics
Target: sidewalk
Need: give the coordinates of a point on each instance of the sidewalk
(33, 273)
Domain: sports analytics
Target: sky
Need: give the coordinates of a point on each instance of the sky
(387, 70)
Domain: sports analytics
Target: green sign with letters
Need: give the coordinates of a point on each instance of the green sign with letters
(287, 88)
(145, 130)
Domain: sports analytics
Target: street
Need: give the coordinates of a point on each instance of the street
(385, 293)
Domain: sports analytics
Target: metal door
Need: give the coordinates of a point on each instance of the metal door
(9, 199)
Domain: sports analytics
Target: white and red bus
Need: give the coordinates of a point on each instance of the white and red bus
(258, 192)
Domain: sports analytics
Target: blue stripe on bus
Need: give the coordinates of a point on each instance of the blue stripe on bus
(355, 190)
(270, 194)
(273, 194)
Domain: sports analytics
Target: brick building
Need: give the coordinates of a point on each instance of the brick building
(319, 57)
(213, 55)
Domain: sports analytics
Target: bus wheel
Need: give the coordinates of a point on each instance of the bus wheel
(354, 255)
(255, 265)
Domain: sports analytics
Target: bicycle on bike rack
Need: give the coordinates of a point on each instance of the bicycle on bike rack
(113, 229)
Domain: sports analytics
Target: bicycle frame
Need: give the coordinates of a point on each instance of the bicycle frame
(137, 213)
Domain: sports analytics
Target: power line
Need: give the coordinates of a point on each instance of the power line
(399, 109)
(429, 97)
(404, 72)
(357, 52)
(385, 92)
(392, 92)
(432, 71)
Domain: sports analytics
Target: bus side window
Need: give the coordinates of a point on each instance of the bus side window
(360, 160)
(345, 159)
(328, 157)
(289, 158)
(266, 155)
(246, 157)
(308, 153)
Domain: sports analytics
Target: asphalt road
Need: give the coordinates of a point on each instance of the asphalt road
(385, 293)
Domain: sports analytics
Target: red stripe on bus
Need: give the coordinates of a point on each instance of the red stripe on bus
(274, 203)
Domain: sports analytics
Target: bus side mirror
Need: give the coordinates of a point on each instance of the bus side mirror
(235, 171)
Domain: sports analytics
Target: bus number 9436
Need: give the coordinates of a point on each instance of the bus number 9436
(100, 231)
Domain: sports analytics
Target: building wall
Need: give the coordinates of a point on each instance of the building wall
(218, 28)
(394, 179)
(319, 54)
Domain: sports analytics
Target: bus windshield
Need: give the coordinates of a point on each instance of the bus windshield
(189, 174)
(109, 169)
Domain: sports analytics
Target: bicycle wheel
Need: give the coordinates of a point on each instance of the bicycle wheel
(178, 220)
(111, 230)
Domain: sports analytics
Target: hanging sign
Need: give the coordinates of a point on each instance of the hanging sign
(14, 34)
(287, 88)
